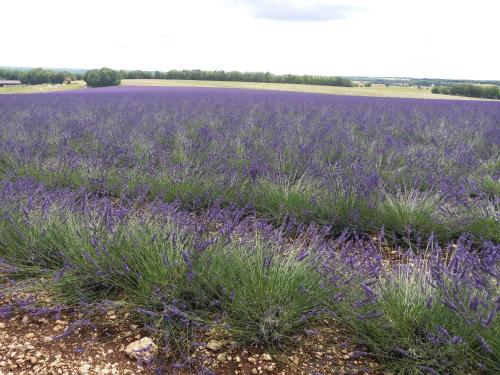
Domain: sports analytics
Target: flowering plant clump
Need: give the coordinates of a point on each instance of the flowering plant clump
(436, 311)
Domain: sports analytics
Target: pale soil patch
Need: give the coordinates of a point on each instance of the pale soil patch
(45, 87)
(374, 90)
(32, 345)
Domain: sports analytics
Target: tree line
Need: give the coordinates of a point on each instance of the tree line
(112, 77)
(469, 90)
(449, 82)
(221, 75)
(38, 75)
(423, 82)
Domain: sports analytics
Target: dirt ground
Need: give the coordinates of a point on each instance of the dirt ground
(68, 343)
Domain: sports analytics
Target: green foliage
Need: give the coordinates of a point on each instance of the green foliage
(398, 336)
(401, 213)
(266, 290)
(410, 211)
(34, 244)
(37, 76)
(470, 90)
(265, 293)
(220, 75)
(491, 186)
(102, 77)
(485, 225)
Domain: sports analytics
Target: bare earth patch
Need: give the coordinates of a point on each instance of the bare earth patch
(38, 345)
(27, 347)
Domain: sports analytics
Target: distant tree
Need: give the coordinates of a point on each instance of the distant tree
(36, 76)
(69, 76)
(58, 77)
(11, 74)
(220, 75)
(470, 90)
(102, 77)
(491, 92)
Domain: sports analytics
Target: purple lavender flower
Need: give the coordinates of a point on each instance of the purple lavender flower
(484, 344)
(455, 340)
(429, 302)
(429, 370)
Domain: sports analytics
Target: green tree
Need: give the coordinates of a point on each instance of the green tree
(58, 77)
(102, 77)
(36, 76)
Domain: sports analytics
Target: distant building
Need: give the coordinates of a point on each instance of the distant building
(8, 82)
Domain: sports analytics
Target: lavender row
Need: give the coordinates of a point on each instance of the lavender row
(432, 311)
(350, 162)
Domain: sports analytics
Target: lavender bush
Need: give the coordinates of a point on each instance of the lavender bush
(431, 314)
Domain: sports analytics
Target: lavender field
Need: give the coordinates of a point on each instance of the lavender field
(267, 213)
(359, 163)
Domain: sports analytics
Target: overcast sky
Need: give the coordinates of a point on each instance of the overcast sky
(418, 38)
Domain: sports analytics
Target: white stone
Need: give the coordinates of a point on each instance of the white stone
(84, 368)
(215, 345)
(143, 349)
(266, 357)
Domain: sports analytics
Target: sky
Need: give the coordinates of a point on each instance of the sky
(384, 38)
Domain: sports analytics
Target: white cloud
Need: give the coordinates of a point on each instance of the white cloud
(426, 38)
(289, 10)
